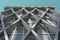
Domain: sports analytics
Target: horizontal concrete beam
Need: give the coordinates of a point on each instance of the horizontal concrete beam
(30, 8)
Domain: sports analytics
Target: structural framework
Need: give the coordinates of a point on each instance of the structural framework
(29, 23)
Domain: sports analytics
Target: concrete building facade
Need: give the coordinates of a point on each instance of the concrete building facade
(29, 23)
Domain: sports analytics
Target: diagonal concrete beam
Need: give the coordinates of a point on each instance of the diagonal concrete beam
(40, 18)
(35, 25)
(14, 22)
(35, 34)
(25, 25)
(29, 30)
(49, 26)
(3, 27)
(33, 30)
(53, 17)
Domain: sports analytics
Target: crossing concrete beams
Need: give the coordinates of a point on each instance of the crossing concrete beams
(29, 23)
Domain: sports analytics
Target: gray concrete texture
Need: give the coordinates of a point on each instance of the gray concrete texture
(29, 23)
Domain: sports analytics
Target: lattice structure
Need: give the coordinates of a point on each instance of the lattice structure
(29, 23)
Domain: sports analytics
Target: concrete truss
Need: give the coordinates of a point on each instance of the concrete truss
(29, 23)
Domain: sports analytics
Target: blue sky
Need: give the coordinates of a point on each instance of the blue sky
(55, 3)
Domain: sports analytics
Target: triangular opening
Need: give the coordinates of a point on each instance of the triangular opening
(29, 8)
(16, 8)
(37, 12)
(7, 12)
(30, 20)
(22, 13)
(17, 31)
(42, 8)
(9, 20)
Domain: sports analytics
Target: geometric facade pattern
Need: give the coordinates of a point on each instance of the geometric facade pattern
(29, 23)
